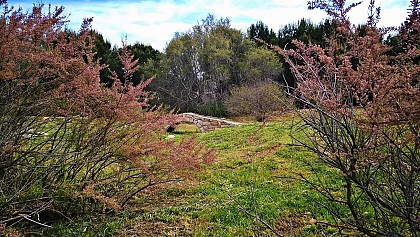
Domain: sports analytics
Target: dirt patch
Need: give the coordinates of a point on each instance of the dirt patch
(292, 225)
(145, 228)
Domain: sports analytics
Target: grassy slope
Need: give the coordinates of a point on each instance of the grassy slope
(255, 171)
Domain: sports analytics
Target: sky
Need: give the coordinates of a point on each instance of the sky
(154, 22)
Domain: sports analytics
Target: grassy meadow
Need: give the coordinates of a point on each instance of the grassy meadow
(253, 185)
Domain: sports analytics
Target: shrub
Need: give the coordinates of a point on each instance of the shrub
(216, 109)
(362, 119)
(68, 144)
(260, 100)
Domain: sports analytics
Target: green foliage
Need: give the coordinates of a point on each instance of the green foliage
(259, 100)
(215, 109)
(109, 56)
(261, 31)
(304, 30)
(200, 66)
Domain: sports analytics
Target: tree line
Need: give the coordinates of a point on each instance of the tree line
(199, 68)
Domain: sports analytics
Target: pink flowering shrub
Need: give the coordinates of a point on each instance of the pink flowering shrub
(362, 113)
(68, 144)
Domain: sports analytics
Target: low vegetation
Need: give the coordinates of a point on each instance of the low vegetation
(256, 175)
(261, 100)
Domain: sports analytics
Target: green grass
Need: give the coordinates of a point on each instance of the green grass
(255, 170)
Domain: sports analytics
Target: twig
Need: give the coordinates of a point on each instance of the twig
(36, 222)
(255, 208)
(255, 216)
(11, 219)
(150, 184)
(262, 221)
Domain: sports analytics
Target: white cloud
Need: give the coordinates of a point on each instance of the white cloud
(155, 22)
(393, 12)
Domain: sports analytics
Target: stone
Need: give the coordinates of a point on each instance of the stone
(206, 123)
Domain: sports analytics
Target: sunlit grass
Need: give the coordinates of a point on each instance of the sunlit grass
(256, 170)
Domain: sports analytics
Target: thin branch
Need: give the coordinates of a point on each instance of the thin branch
(255, 216)
(26, 217)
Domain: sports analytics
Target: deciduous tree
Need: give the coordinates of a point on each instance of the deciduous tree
(201, 66)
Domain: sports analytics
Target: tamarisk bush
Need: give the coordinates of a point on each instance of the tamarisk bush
(361, 117)
(68, 144)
